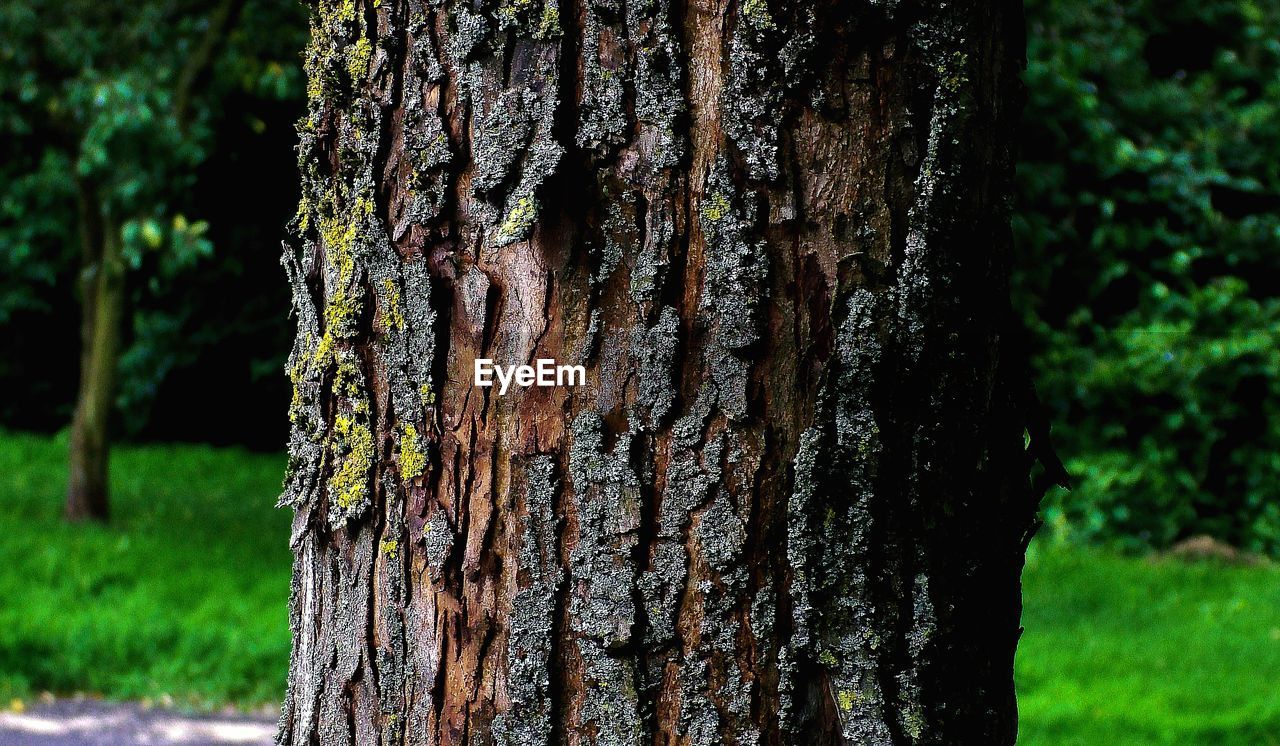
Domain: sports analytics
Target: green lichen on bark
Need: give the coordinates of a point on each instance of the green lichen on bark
(341, 237)
(745, 548)
(351, 453)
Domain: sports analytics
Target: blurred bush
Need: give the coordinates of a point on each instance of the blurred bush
(1149, 263)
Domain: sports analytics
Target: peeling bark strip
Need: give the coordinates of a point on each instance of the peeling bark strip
(790, 502)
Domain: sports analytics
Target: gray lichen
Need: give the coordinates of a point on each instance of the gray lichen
(654, 351)
(602, 114)
(737, 263)
(650, 264)
(426, 143)
(831, 517)
(603, 578)
(306, 442)
(768, 58)
(513, 108)
(437, 539)
(532, 621)
(721, 535)
(608, 502)
(658, 80)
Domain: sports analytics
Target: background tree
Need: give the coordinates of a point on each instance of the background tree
(107, 111)
(792, 503)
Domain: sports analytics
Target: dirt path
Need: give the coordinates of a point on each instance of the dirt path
(94, 723)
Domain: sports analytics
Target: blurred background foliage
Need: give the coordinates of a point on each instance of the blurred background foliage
(1148, 227)
(199, 177)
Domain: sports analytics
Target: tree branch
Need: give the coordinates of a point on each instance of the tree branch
(201, 60)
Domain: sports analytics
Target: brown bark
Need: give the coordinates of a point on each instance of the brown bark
(791, 503)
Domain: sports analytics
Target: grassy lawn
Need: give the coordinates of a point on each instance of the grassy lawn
(1122, 650)
(184, 595)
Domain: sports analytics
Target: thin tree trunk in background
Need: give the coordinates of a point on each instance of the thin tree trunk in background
(102, 304)
(791, 503)
(102, 290)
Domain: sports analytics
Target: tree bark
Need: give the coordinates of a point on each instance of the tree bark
(791, 503)
(102, 305)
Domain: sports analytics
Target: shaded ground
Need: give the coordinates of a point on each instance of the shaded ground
(95, 723)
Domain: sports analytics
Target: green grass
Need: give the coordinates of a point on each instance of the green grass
(184, 594)
(1121, 650)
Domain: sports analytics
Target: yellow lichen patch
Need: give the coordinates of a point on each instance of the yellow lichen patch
(757, 11)
(389, 547)
(358, 57)
(428, 395)
(914, 724)
(511, 10)
(338, 237)
(347, 382)
(953, 74)
(391, 313)
(519, 219)
(413, 456)
(342, 11)
(549, 26)
(340, 313)
(324, 350)
(846, 699)
(716, 208)
(349, 485)
(313, 65)
(303, 216)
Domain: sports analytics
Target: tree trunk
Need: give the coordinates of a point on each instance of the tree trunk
(101, 303)
(789, 505)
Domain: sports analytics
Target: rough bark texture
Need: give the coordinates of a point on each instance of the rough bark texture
(791, 504)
